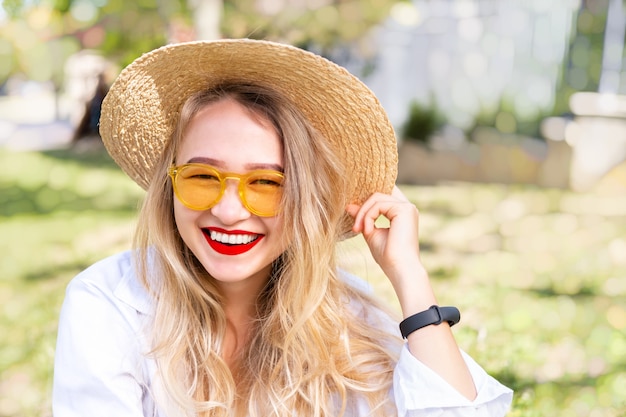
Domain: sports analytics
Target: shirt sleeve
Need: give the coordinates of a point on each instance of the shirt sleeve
(419, 391)
(97, 361)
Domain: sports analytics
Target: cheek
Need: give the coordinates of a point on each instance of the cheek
(184, 218)
(277, 226)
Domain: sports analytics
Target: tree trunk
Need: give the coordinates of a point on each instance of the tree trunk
(613, 48)
(206, 18)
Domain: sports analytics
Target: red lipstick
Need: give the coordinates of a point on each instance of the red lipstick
(228, 248)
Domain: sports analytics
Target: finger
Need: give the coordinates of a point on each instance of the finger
(353, 211)
(388, 209)
(369, 221)
(377, 204)
(375, 199)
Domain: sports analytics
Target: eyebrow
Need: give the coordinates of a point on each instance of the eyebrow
(219, 164)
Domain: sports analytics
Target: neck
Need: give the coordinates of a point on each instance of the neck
(239, 301)
(239, 298)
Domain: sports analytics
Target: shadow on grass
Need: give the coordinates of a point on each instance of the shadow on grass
(38, 197)
(562, 390)
(444, 273)
(513, 381)
(564, 384)
(43, 200)
(95, 155)
(551, 291)
(71, 268)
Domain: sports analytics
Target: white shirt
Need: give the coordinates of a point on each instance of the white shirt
(100, 368)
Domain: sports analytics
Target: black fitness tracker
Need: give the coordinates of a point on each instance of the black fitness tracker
(434, 315)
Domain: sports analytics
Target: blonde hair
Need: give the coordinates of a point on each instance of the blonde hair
(314, 351)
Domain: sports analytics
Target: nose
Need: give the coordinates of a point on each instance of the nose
(230, 208)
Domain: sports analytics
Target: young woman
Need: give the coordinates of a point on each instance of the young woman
(257, 159)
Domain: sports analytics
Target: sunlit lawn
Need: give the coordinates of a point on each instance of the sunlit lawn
(539, 276)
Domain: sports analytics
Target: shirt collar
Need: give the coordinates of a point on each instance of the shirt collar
(132, 292)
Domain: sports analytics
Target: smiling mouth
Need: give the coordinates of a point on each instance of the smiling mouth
(232, 239)
(230, 243)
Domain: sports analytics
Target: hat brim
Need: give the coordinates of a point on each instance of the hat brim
(141, 108)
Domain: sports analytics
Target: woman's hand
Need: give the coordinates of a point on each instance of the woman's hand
(396, 248)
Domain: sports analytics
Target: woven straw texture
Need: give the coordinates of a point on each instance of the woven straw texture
(140, 111)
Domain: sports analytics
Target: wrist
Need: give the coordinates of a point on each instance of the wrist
(407, 271)
(434, 315)
(414, 291)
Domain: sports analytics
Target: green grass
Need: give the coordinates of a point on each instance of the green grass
(539, 276)
(59, 212)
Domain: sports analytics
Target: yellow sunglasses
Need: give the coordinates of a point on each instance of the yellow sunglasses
(201, 186)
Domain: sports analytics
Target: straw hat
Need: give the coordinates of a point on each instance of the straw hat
(141, 108)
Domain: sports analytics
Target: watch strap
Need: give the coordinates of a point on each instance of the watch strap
(434, 315)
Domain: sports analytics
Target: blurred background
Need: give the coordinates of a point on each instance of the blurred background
(511, 125)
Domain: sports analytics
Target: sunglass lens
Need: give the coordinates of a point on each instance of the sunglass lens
(263, 193)
(198, 187)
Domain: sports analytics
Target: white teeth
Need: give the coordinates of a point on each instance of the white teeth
(239, 239)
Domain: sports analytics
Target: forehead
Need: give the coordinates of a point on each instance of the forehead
(232, 135)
